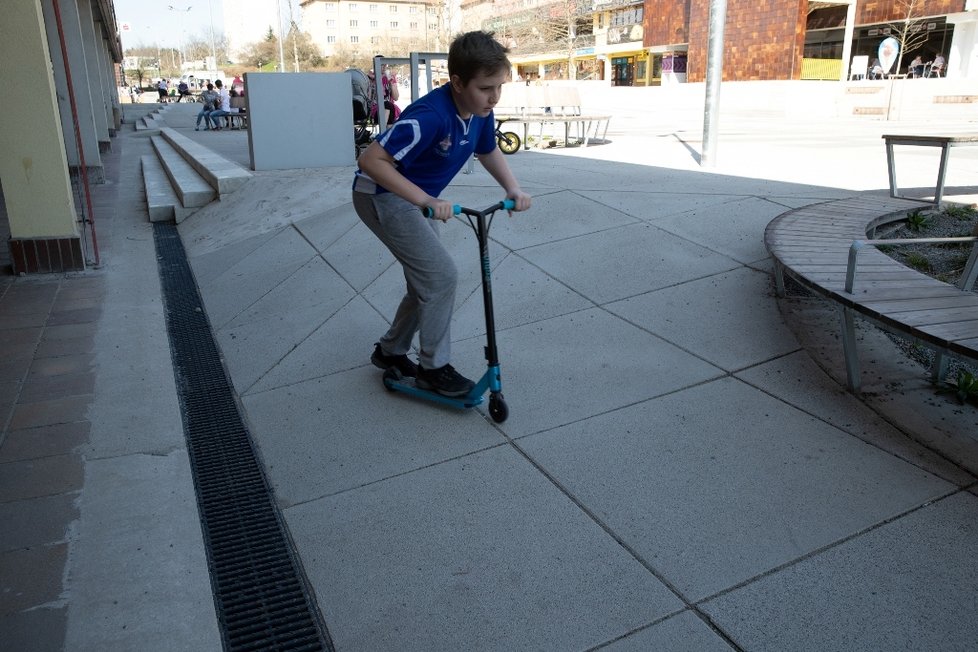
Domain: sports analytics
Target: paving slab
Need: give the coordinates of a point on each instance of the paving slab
(211, 264)
(557, 216)
(906, 585)
(331, 348)
(324, 229)
(360, 258)
(246, 282)
(797, 380)
(271, 328)
(568, 368)
(684, 632)
(133, 547)
(345, 430)
(648, 205)
(719, 483)
(645, 258)
(493, 555)
(267, 202)
(522, 294)
(730, 228)
(716, 318)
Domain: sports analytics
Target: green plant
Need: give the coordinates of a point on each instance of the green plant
(918, 262)
(964, 387)
(918, 221)
(960, 212)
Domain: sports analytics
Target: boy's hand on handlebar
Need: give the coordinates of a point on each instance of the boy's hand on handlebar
(522, 200)
(440, 210)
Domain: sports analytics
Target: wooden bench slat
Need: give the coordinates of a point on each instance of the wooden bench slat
(943, 316)
(862, 296)
(953, 330)
(910, 305)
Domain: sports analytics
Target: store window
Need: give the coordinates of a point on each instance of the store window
(623, 71)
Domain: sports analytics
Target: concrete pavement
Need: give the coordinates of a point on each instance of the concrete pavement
(680, 469)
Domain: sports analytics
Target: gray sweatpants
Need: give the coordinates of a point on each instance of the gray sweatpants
(429, 272)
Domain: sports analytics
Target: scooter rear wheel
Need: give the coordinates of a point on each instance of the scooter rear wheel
(498, 409)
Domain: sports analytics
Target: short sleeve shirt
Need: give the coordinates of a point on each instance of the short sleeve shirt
(431, 143)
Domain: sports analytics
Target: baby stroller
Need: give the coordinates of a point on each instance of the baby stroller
(362, 102)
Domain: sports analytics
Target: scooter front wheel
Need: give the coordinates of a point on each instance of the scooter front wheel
(392, 376)
(498, 409)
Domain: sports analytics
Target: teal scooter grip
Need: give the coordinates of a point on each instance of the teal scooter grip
(428, 212)
(509, 204)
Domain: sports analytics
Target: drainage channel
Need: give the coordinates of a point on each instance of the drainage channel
(262, 600)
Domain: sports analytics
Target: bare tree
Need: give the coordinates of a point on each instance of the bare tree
(911, 32)
(562, 26)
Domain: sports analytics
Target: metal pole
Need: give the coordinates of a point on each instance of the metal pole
(281, 37)
(714, 74)
(210, 11)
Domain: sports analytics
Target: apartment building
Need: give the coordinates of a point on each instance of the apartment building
(374, 27)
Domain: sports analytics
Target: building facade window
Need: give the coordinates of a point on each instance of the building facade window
(393, 24)
(373, 24)
(353, 23)
(331, 39)
(354, 39)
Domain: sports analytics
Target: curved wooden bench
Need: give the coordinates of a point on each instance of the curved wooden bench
(812, 246)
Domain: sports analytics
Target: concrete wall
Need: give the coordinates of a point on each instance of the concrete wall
(33, 165)
(299, 120)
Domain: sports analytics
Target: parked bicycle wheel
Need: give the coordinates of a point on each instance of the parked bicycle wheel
(508, 142)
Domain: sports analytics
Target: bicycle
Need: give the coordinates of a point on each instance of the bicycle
(508, 141)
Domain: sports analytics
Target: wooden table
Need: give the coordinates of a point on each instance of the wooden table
(944, 142)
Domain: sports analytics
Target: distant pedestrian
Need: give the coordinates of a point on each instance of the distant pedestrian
(161, 89)
(183, 89)
(209, 97)
(223, 105)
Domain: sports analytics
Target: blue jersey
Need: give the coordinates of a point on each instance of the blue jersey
(431, 143)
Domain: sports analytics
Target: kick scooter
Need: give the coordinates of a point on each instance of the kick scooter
(396, 382)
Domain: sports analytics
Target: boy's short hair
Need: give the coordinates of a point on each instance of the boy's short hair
(475, 52)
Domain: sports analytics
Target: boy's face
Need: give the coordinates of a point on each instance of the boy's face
(480, 95)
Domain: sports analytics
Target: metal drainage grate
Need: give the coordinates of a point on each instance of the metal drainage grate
(262, 601)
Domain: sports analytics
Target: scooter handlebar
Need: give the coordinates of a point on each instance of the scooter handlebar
(506, 204)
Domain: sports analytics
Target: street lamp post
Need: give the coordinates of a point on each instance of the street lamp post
(172, 8)
(210, 11)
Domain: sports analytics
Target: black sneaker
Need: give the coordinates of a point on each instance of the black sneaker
(401, 362)
(444, 380)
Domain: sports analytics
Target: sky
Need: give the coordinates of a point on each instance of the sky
(152, 21)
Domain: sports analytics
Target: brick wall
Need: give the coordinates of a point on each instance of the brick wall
(764, 39)
(666, 22)
(881, 11)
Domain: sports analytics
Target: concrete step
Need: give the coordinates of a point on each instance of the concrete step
(149, 123)
(161, 200)
(193, 190)
(223, 175)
